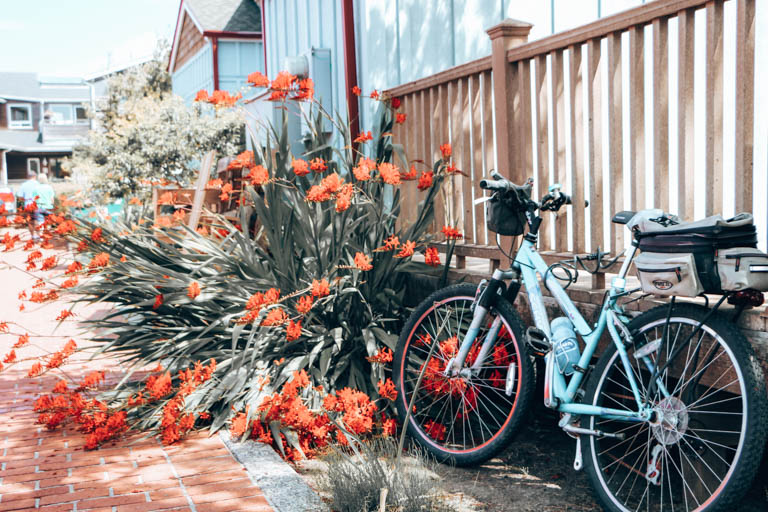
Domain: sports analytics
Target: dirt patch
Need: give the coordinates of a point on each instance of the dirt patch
(534, 474)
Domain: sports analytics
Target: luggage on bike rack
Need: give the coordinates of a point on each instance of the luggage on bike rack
(712, 255)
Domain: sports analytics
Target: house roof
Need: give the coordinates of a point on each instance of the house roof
(27, 86)
(226, 15)
(29, 141)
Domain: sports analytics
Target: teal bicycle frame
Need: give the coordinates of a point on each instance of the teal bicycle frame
(559, 394)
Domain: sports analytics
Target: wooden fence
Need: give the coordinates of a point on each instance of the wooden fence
(536, 109)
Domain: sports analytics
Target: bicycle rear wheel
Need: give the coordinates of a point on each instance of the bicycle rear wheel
(701, 450)
(463, 420)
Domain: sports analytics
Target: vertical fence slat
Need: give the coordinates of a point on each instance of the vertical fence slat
(408, 129)
(477, 157)
(745, 104)
(577, 147)
(440, 111)
(594, 138)
(713, 166)
(637, 117)
(558, 143)
(489, 140)
(466, 160)
(526, 142)
(515, 156)
(685, 124)
(661, 114)
(542, 147)
(616, 139)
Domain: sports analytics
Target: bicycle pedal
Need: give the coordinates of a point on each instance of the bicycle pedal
(538, 340)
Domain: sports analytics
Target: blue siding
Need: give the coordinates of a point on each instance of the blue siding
(195, 74)
(237, 59)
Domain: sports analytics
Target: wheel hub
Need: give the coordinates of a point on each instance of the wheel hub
(670, 422)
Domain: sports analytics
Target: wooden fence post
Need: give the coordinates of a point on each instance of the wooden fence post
(507, 99)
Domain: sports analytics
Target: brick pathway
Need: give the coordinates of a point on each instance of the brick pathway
(51, 471)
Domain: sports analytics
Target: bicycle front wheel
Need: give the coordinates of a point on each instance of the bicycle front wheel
(463, 420)
(701, 449)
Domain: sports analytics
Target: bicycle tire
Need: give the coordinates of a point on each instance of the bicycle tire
(740, 405)
(406, 354)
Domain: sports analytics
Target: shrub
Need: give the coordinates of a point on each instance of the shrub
(319, 287)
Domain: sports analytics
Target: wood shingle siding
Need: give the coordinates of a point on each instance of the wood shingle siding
(190, 42)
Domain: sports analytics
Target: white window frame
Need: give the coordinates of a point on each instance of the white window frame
(16, 125)
(29, 160)
(74, 115)
(73, 112)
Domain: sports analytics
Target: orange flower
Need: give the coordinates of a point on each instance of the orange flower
(293, 331)
(259, 175)
(435, 430)
(135, 200)
(123, 258)
(223, 99)
(69, 283)
(395, 103)
(23, 340)
(318, 165)
(390, 243)
(194, 290)
(256, 79)
(400, 118)
(96, 236)
(275, 316)
(388, 426)
(431, 257)
(362, 172)
(425, 180)
(318, 194)
(304, 304)
(300, 167)
(10, 357)
(375, 94)
(389, 173)
(100, 260)
(332, 183)
(73, 267)
(179, 215)
(3, 327)
(214, 184)
(283, 81)
(356, 91)
(344, 197)
(382, 356)
(202, 95)
(451, 233)
(363, 137)
(36, 370)
(65, 313)
(445, 149)
(406, 250)
(363, 262)
(450, 169)
(320, 288)
(306, 90)
(225, 190)
(158, 301)
(387, 389)
(410, 175)
(158, 387)
(60, 387)
(244, 159)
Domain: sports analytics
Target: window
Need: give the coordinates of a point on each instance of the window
(81, 117)
(33, 164)
(19, 116)
(59, 113)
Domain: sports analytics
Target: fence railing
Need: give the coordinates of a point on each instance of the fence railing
(544, 109)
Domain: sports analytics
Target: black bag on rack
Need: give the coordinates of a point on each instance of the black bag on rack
(703, 239)
(505, 211)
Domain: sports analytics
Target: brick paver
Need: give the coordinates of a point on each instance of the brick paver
(51, 471)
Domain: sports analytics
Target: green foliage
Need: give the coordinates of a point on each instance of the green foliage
(298, 242)
(146, 133)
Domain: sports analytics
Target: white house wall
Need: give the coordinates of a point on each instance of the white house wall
(194, 75)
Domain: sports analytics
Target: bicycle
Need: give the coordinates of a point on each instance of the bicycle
(671, 415)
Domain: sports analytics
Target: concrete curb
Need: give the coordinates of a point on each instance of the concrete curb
(282, 486)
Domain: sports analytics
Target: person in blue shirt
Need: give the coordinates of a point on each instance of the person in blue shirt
(28, 192)
(44, 193)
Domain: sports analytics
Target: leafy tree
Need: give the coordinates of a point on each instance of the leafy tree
(146, 133)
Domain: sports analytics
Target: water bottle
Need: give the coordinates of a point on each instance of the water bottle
(564, 344)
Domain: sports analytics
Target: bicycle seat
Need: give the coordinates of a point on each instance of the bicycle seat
(623, 217)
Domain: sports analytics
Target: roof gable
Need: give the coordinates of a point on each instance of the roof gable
(226, 15)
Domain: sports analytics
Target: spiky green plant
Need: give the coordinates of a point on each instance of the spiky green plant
(298, 242)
